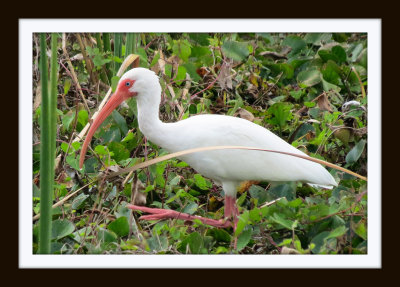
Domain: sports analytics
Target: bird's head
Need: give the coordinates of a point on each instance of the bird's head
(139, 83)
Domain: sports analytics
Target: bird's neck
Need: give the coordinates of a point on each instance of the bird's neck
(148, 116)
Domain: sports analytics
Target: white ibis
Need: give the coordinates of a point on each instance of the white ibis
(226, 167)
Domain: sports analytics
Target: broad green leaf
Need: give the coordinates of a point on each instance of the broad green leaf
(67, 119)
(235, 50)
(79, 200)
(190, 208)
(309, 78)
(327, 55)
(289, 224)
(67, 85)
(219, 234)
(360, 229)
(83, 117)
(317, 38)
(244, 238)
(201, 182)
(120, 226)
(281, 113)
(242, 222)
(182, 49)
(331, 72)
(143, 57)
(61, 228)
(181, 75)
(120, 121)
(295, 42)
(356, 152)
(201, 38)
(114, 83)
(191, 69)
(194, 241)
(106, 236)
(296, 94)
(337, 232)
(120, 152)
(340, 53)
(259, 193)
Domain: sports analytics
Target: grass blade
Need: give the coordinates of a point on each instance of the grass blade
(117, 50)
(48, 140)
(107, 48)
(130, 43)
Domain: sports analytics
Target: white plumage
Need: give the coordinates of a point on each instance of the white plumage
(227, 167)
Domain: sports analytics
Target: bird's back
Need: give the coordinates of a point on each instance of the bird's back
(239, 165)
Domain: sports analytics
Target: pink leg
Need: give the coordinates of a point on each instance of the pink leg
(158, 213)
(232, 213)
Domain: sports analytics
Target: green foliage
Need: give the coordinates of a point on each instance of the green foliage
(295, 85)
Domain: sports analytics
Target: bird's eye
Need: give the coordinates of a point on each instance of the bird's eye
(127, 84)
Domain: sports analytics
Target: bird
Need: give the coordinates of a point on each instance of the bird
(228, 168)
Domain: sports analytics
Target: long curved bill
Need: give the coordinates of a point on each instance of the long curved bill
(112, 103)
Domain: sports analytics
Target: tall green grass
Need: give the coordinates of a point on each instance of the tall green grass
(48, 141)
(117, 50)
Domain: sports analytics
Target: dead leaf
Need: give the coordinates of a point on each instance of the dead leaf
(287, 250)
(139, 197)
(38, 97)
(245, 114)
(323, 103)
(224, 77)
(303, 111)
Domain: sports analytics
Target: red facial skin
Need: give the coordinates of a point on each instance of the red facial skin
(120, 95)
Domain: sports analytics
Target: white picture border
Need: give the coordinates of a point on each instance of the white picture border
(371, 260)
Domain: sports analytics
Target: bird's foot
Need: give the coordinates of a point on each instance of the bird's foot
(158, 213)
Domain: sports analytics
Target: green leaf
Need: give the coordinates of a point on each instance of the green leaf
(317, 38)
(181, 74)
(289, 224)
(355, 152)
(191, 69)
(182, 49)
(120, 226)
(331, 72)
(61, 228)
(142, 58)
(309, 78)
(285, 69)
(339, 231)
(83, 117)
(155, 59)
(327, 55)
(340, 53)
(201, 182)
(106, 236)
(281, 114)
(295, 42)
(120, 121)
(360, 229)
(114, 83)
(195, 242)
(201, 38)
(296, 94)
(242, 222)
(235, 50)
(259, 193)
(73, 162)
(79, 200)
(219, 235)
(190, 208)
(67, 85)
(120, 152)
(67, 119)
(244, 238)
